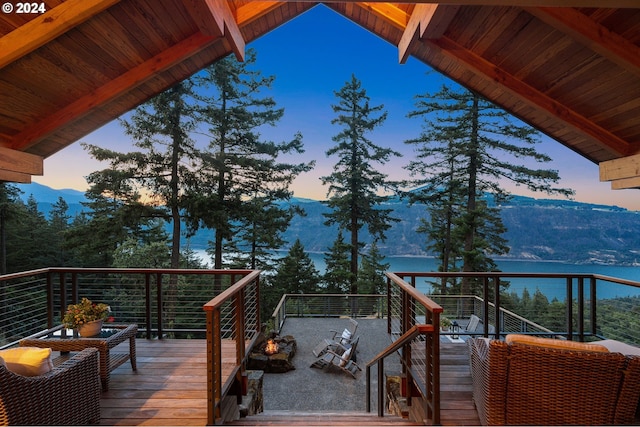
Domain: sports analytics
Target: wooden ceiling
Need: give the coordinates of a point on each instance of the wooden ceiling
(567, 67)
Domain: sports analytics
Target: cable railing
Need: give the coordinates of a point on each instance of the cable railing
(233, 320)
(328, 305)
(413, 323)
(578, 307)
(162, 302)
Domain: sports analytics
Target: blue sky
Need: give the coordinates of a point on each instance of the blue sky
(313, 56)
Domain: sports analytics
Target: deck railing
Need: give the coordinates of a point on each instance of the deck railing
(233, 316)
(328, 305)
(163, 302)
(413, 323)
(579, 307)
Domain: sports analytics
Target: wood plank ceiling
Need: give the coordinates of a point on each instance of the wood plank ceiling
(567, 67)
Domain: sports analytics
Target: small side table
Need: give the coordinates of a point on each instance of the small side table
(110, 336)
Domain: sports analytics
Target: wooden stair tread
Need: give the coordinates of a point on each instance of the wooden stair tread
(296, 418)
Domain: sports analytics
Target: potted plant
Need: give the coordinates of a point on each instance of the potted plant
(86, 317)
(445, 323)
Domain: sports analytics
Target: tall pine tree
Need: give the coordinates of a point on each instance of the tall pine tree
(355, 184)
(241, 179)
(469, 148)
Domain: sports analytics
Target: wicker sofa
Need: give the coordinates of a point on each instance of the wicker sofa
(67, 395)
(515, 383)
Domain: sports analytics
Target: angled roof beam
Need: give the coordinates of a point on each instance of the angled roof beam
(46, 27)
(388, 11)
(17, 166)
(111, 90)
(623, 173)
(254, 10)
(591, 34)
(528, 94)
(214, 18)
(428, 21)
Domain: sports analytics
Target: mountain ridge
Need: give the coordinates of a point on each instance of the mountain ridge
(537, 229)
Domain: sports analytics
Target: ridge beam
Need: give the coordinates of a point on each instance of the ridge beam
(428, 21)
(215, 19)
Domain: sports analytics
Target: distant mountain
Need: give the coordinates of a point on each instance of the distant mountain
(537, 229)
(47, 196)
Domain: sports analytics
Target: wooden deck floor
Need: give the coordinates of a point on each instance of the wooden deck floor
(169, 387)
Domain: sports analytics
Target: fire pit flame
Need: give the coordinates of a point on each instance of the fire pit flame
(271, 347)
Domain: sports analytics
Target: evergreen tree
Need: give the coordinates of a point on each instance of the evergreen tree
(163, 169)
(371, 279)
(296, 272)
(355, 184)
(114, 215)
(468, 148)
(8, 212)
(59, 224)
(338, 276)
(241, 177)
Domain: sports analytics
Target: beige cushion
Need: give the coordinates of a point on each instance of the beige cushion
(345, 357)
(554, 343)
(619, 347)
(27, 361)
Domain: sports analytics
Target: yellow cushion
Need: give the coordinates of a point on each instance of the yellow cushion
(27, 361)
(553, 343)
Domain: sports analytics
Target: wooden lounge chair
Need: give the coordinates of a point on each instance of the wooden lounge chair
(347, 335)
(343, 338)
(342, 359)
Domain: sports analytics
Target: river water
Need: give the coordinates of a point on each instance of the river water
(552, 288)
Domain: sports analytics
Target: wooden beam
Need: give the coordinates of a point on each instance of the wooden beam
(209, 20)
(427, 21)
(111, 90)
(46, 27)
(530, 95)
(215, 19)
(20, 163)
(9, 176)
(591, 34)
(622, 168)
(625, 184)
(391, 13)
(255, 10)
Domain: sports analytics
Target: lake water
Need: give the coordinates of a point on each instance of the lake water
(552, 288)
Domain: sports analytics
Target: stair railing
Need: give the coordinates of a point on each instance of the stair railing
(414, 326)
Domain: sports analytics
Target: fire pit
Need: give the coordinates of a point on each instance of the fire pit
(273, 355)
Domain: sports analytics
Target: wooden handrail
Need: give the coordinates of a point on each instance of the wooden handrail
(412, 333)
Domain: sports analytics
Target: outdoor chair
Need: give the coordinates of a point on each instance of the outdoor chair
(343, 338)
(67, 395)
(342, 359)
(347, 335)
(473, 323)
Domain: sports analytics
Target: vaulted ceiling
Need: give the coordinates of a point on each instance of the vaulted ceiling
(568, 67)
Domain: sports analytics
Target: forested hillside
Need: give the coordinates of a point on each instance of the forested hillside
(536, 229)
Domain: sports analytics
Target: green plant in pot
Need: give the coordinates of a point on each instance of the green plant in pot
(445, 323)
(79, 315)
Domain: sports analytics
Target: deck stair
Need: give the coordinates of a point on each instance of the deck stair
(295, 418)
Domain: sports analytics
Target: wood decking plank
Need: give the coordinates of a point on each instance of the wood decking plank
(170, 388)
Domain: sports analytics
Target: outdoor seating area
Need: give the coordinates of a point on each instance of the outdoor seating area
(341, 357)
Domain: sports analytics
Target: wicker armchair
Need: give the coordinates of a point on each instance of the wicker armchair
(68, 395)
(516, 384)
